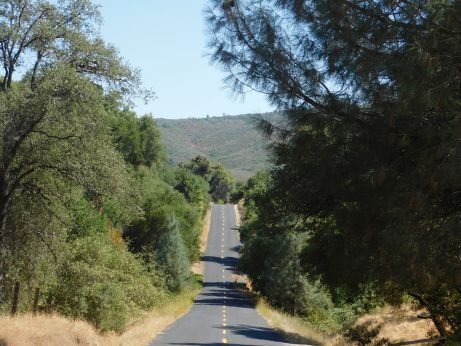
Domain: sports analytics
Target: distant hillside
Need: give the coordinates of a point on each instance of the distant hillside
(230, 140)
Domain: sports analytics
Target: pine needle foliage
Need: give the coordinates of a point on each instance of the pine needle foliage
(368, 161)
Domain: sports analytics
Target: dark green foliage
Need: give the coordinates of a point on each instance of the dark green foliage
(272, 261)
(237, 192)
(105, 284)
(284, 280)
(200, 166)
(160, 201)
(367, 161)
(271, 255)
(194, 187)
(221, 183)
(172, 254)
(138, 139)
(86, 220)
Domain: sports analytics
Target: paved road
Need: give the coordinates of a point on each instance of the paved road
(220, 315)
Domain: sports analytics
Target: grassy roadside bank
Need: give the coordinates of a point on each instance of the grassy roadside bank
(386, 324)
(197, 268)
(293, 328)
(54, 330)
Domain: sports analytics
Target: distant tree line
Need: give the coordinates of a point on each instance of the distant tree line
(363, 196)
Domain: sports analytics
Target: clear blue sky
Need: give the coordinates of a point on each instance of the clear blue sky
(166, 39)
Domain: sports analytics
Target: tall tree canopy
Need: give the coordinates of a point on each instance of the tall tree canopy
(35, 34)
(368, 162)
(52, 116)
(137, 138)
(221, 182)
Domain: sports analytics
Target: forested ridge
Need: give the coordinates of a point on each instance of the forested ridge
(231, 140)
(91, 212)
(361, 205)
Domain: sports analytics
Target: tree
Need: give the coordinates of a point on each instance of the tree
(367, 158)
(159, 238)
(193, 187)
(172, 254)
(158, 202)
(199, 165)
(138, 139)
(221, 184)
(53, 134)
(286, 284)
(220, 181)
(36, 34)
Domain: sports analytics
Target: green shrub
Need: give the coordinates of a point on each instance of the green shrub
(105, 284)
(160, 201)
(172, 255)
(285, 284)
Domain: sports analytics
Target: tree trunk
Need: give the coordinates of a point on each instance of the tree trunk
(10, 76)
(4, 206)
(439, 325)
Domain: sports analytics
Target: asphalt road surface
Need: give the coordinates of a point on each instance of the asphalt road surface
(221, 314)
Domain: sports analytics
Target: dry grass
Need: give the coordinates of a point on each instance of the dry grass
(205, 231)
(293, 328)
(198, 268)
(238, 208)
(46, 330)
(396, 324)
(54, 330)
(399, 324)
(153, 323)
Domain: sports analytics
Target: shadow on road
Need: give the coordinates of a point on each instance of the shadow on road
(230, 263)
(213, 294)
(236, 248)
(257, 333)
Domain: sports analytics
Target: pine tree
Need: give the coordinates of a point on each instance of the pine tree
(368, 157)
(172, 255)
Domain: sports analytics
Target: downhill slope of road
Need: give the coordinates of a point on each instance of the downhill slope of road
(221, 314)
(231, 140)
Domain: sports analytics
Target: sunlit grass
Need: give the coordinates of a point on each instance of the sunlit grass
(293, 328)
(55, 330)
(395, 324)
